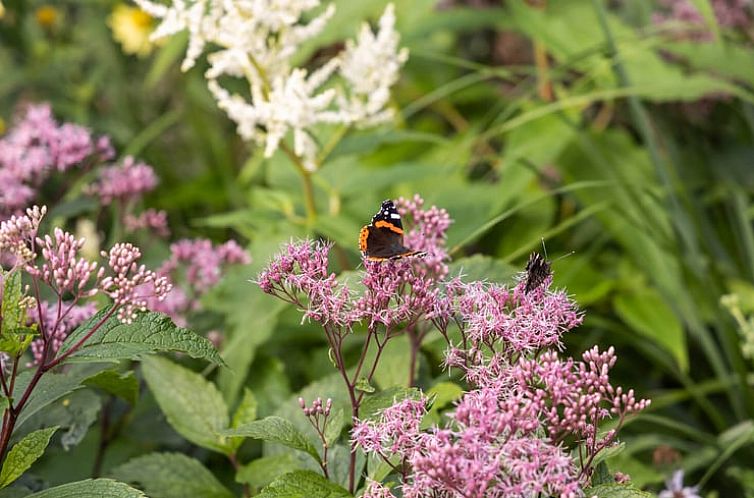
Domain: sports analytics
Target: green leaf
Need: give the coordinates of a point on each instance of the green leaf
(372, 405)
(15, 337)
(247, 409)
(192, 404)
(363, 385)
(75, 413)
(645, 311)
(276, 430)
(602, 474)
(13, 314)
(262, 471)
(245, 413)
(440, 395)
(171, 475)
(51, 387)
(303, 484)
(616, 491)
(335, 423)
(91, 488)
(24, 453)
(149, 333)
(122, 384)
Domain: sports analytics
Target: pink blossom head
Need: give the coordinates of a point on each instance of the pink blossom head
(131, 286)
(426, 233)
(37, 146)
(56, 322)
(153, 220)
(194, 267)
(17, 235)
(63, 269)
(124, 182)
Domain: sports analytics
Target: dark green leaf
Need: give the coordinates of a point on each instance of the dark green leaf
(74, 413)
(171, 475)
(121, 384)
(149, 333)
(91, 488)
(51, 387)
(262, 471)
(192, 404)
(276, 430)
(372, 405)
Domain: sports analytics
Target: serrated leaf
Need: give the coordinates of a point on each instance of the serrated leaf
(91, 488)
(616, 491)
(193, 405)
(12, 313)
(149, 333)
(121, 384)
(303, 484)
(262, 471)
(276, 430)
(171, 475)
(24, 453)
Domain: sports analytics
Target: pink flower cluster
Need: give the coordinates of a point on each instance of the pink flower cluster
(507, 434)
(58, 321)
(37, 146)
(124, 182)
(395, 292)
(735, 14)
(71, 276)
(194, 267)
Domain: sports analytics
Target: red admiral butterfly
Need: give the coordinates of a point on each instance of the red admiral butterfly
(537, 271)
(382, 239)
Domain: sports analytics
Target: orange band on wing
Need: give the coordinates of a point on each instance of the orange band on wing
(363, 239)
(389, 226)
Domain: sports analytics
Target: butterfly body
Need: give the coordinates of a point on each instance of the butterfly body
(382, 239)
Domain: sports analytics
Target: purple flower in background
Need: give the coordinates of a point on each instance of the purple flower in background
(37, 146)
(674, 488)
(734, 14)
(124, 182)
(156, 221)
(59, 321)
(194, 267)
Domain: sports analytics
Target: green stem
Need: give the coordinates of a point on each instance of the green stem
(306, 178)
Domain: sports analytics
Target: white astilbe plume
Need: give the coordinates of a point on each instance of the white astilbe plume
(257, 39)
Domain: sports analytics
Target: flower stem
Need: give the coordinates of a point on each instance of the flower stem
(306, 178)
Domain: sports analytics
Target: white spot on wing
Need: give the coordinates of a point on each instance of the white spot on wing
(395, 216)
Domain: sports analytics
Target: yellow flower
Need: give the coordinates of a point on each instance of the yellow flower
(47, 16)
(131, 28)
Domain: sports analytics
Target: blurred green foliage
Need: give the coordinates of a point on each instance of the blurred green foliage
(580, 123)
